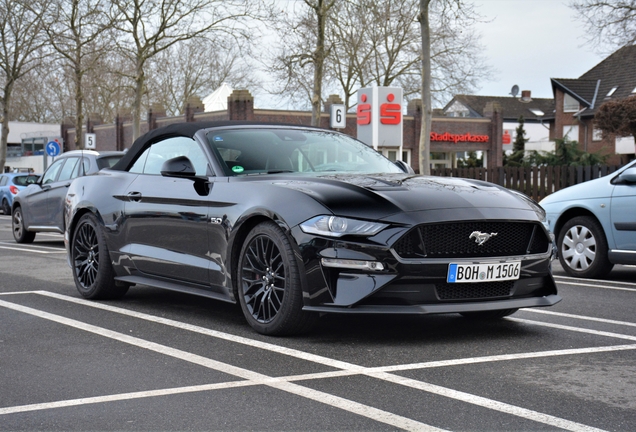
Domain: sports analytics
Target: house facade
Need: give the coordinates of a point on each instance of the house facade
(577, 99)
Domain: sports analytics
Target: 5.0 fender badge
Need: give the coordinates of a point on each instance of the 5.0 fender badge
(480, 237)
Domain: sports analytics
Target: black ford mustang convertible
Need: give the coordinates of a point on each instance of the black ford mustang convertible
(292, 222)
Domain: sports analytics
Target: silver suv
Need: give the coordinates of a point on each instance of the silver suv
(40, 207)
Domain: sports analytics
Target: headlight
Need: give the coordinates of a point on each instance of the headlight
(335, 226)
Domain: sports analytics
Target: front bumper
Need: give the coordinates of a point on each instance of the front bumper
(430, 309)
(414, 286)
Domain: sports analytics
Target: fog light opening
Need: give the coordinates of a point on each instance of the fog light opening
(352, 264)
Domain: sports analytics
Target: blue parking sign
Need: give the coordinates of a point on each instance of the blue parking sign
(53, 148)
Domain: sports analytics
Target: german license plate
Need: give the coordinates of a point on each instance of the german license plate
(483, 272)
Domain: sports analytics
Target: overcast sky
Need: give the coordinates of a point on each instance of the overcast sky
(530, 41)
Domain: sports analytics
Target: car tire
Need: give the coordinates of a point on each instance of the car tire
(582, 248)
(90, 261)
(20, 233)
(269, 286)
(489, 315)
(6, 208)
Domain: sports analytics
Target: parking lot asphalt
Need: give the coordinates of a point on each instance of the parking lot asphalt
(158, 360)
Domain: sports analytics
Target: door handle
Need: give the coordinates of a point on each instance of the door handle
(134, 196)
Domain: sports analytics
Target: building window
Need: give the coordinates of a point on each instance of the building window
(570, 104)
(611, 92)
(457, 109)
(597, 135)
(572, 132)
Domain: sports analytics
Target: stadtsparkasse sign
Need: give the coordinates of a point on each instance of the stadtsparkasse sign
(455, 138)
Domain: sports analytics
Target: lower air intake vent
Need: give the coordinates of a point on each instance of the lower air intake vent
(479, 290)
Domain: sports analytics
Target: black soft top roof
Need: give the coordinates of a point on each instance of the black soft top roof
(182, 130)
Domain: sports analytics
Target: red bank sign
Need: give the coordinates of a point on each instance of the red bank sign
(467, 137)
(379, 116)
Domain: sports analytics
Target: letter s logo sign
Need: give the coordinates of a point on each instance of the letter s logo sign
(364, 112)
(390, 113)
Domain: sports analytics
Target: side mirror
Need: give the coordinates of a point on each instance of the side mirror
(180, 167)
(628, 176)
(404, 167)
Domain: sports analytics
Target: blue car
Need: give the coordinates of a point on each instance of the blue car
(10, 185)
(594, 223)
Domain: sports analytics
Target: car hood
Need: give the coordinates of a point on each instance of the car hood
(385, 194)
(598, 188)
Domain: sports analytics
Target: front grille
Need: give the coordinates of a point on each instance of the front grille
(479, 290)
(453, 240)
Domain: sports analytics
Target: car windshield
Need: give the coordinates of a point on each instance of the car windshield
(276, 150)
(25, 180)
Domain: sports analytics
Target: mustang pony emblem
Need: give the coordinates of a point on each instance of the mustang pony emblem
(480, 237)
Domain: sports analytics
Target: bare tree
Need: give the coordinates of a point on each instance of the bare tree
(611, 24)
(76, 30)
(302, 35)
(153, 26)
(21, 50)
(195, 67)
(42, 96)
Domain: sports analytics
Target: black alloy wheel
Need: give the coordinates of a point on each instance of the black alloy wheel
(269, 287)
(92, 270)
(20, 233)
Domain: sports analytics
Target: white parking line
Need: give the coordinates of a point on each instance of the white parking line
(574, 329)
(595, 280)
(596, 286)
(348, 368)
(32, 245)
(30, 250)
(581, 317)
(254, 377)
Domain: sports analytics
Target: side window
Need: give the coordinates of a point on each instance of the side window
(51, 173)
(67, 169)
(170, 148)
(3, 181)
(81, 168)
(138, 166)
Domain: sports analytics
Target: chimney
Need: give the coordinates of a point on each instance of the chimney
(525, 96)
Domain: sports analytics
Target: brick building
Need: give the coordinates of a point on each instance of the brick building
(449, 135)
(577, 99)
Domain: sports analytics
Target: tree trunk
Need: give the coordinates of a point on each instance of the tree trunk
(4, 136)
(319, 61)
(79, 108)
(140, 81)
(427, 112)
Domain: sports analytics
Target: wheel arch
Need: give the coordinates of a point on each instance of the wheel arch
(70, 228)
(572, 213)
(238, 239)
